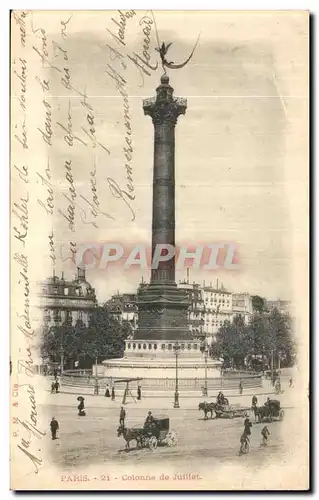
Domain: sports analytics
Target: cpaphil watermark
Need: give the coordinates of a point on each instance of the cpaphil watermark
(204, 256)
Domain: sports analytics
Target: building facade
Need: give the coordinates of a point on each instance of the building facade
(283, 306)
(123, 308)
(61, 301)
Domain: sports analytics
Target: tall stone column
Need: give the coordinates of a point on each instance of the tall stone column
(162, 306)
(164, 110)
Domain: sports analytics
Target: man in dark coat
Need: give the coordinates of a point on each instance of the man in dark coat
(113, 393)
(139, 392)
(122, 417)
(54, 426)
(247, 426)
(52, 387)
(254, 401)
(149, 420)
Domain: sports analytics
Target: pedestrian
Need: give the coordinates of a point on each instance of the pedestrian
(265, 433)
(56, 385)
(54, 426)
(247, 426)
(139, 392)
(122, 417)
(52, 387)
(107, 392)
(290, 382)
(240, 387)
(113, 393)
(81, 406)
(254, 402)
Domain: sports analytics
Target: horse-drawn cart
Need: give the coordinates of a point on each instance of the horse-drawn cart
(157, 433)
(222, 411)
(227, 411)
(270, 411)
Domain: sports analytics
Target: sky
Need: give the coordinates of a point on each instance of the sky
(240, 154)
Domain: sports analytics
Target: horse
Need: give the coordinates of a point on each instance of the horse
(207, 408)
(130, 435)
(261, 412)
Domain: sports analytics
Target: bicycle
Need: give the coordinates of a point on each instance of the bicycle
(245, 446)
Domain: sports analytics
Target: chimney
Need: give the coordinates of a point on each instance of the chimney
(62, 276)
(81, 273)
(187, 271)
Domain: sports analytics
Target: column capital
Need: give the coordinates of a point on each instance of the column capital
(164, 108)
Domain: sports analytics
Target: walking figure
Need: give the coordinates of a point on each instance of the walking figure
(139, 392)
(240, 387)
(52, 387)
(265, 433)
(81, 407)
(290, 382)
(113, 393)
(107, 392)
(122, 417)
(54, 426)
(56, 385)
(254, 402)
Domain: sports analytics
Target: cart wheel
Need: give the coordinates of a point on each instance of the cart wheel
(171, 438)
(152, 443)
(281, 414)
(144, 441)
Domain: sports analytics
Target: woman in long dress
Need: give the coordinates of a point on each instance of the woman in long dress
(107, 392)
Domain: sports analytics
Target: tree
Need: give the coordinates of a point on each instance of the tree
(105, 337)
(258, 304)
(281, 340)
(232, 343)
(265, 335)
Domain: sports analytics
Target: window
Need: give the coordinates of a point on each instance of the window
(150, 346)
(139, 346)
(144, 346)
(169, 347)
(66, 291)
(189, 347)
(129, 346)
(195, 346)
(182, 346)
(163, 347)
(155, 346)
(134, 346)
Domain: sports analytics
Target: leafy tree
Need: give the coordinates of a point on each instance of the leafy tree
(105, 337)
(232, 343)
(102, 339)
(258, 304)
(266, 335)
(281, 340)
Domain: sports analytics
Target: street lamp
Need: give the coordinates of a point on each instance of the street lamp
(96, 385)
(205, 386)
(176, 348)
(61, 359)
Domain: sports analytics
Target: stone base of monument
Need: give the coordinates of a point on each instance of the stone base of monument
(155, 363)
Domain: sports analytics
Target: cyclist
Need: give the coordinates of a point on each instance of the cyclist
(244, 443)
